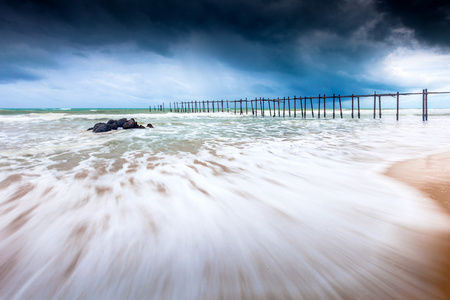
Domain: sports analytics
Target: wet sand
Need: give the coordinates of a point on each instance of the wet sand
(431, 176)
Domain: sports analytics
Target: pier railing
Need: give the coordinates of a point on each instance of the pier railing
(289, 107)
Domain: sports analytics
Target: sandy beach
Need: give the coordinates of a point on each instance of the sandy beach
(431, 176)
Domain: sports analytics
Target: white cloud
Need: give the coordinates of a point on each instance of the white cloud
(130, 78)
(413, 69)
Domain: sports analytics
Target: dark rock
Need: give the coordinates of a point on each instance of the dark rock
(121, 122)
(113, 124)
(101, 127)
(131, 123)
(95, 126)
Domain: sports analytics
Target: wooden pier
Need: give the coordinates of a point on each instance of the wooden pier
(289, 107)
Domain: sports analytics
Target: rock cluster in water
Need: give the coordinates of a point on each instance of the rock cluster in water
(114, 124)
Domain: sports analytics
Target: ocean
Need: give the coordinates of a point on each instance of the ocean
(215, 206)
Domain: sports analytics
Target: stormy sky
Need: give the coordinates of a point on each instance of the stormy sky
(99, 53)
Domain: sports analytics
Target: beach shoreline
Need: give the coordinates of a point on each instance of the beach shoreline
(430, 175)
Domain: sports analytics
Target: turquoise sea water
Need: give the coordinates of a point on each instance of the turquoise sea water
(214, 206)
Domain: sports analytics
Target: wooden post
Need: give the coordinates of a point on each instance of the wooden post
(334, 100)
(207, 105)
(352, 105)
(284, 107)
(213, 105)
(246, 106)
(374, 104)
(304, 107)
(423, 105)
(240, 102)
(289, 106)
(379, 106)
(253, 111)
(256, 106)
(235, 106)
(340, 105)
(262, 106)
(222, 105)
(301, 106)
(426, 104)
(270, 111)
(312, 108)
(324, 106)
(278, 102)
(359, 115)
(398, 104)
(295, 107)
(318, 112)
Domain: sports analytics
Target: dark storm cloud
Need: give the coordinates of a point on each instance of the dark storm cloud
(256, 35)
(429, 19)
(162, 22)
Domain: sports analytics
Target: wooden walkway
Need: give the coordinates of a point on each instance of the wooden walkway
(288, 107)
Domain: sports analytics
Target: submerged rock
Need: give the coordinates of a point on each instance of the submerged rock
(131, 123)
(101, 127)
(95, 126)
(121, 122)
(114, 124)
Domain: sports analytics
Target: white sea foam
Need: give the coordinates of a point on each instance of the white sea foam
(216, 206)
